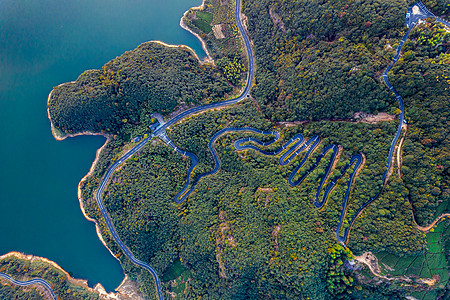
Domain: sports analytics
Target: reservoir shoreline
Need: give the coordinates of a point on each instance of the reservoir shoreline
(98, 288)
(59, 136)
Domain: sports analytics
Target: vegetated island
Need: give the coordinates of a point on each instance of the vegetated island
(201, 246)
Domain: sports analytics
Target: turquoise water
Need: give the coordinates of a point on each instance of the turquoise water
(43, 44)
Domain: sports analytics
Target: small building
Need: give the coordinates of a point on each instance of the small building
(154, 126)
(137, 139)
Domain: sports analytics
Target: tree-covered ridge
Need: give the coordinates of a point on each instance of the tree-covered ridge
(439, 7)
(422, 77)
(24, 269)
(244, 232)
(123, 94)
(248, 207)
(323, 59)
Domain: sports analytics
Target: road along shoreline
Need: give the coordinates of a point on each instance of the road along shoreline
(38, 283)
(161, 131)
(98, 288)
(109, 172)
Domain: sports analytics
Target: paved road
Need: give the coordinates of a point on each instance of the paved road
(244, 94)
(30, 282)
(161, 132)
(425, 13)
(412, 20)
(294, 146)
(415, 13)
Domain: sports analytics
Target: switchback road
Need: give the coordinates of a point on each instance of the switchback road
(415, 13)
(161, 131)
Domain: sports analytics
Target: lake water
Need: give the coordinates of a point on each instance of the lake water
(43, 44)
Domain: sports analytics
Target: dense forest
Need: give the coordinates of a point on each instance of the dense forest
(421, 76)
(323, 59)
(249, 207)
(128, 89)
(22, 269)
(244, 232)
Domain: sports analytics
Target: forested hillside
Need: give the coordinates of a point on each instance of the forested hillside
(422, 77)
(123, 94)
(247, 208)
(323, 59)
(24, 269)
(244, 232)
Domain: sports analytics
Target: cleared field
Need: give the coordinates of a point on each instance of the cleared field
(202, 25)
(205, 16)
(434, 247)
(416, 265)
(389, 260)
(432, 262)
(173, 271)
(433, 237)
(402, 265)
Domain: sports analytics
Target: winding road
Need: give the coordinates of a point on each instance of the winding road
(294, 146)
(161, 132)
(415, 13)
(40, 281)
(161, 129)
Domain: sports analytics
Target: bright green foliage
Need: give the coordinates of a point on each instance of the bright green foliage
(205, 16)
(203, 21)
(231, 68)
(221, 14)
(339, 281)
(432, 37)
(173, 271)
(430, 263)
(244, 232)
(202, 25)
(423, 79)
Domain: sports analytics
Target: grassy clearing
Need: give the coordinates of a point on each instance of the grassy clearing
(382, 255)
(202, 25)
(434, 247)
(425, 273)
(205, 16)
(403, 265)
(419, 295)
(179, 287)
(173, 271)
(443, 277)
(433, 237)
(389, 260)
(416, 265)
(436, 261)
(430, 295)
